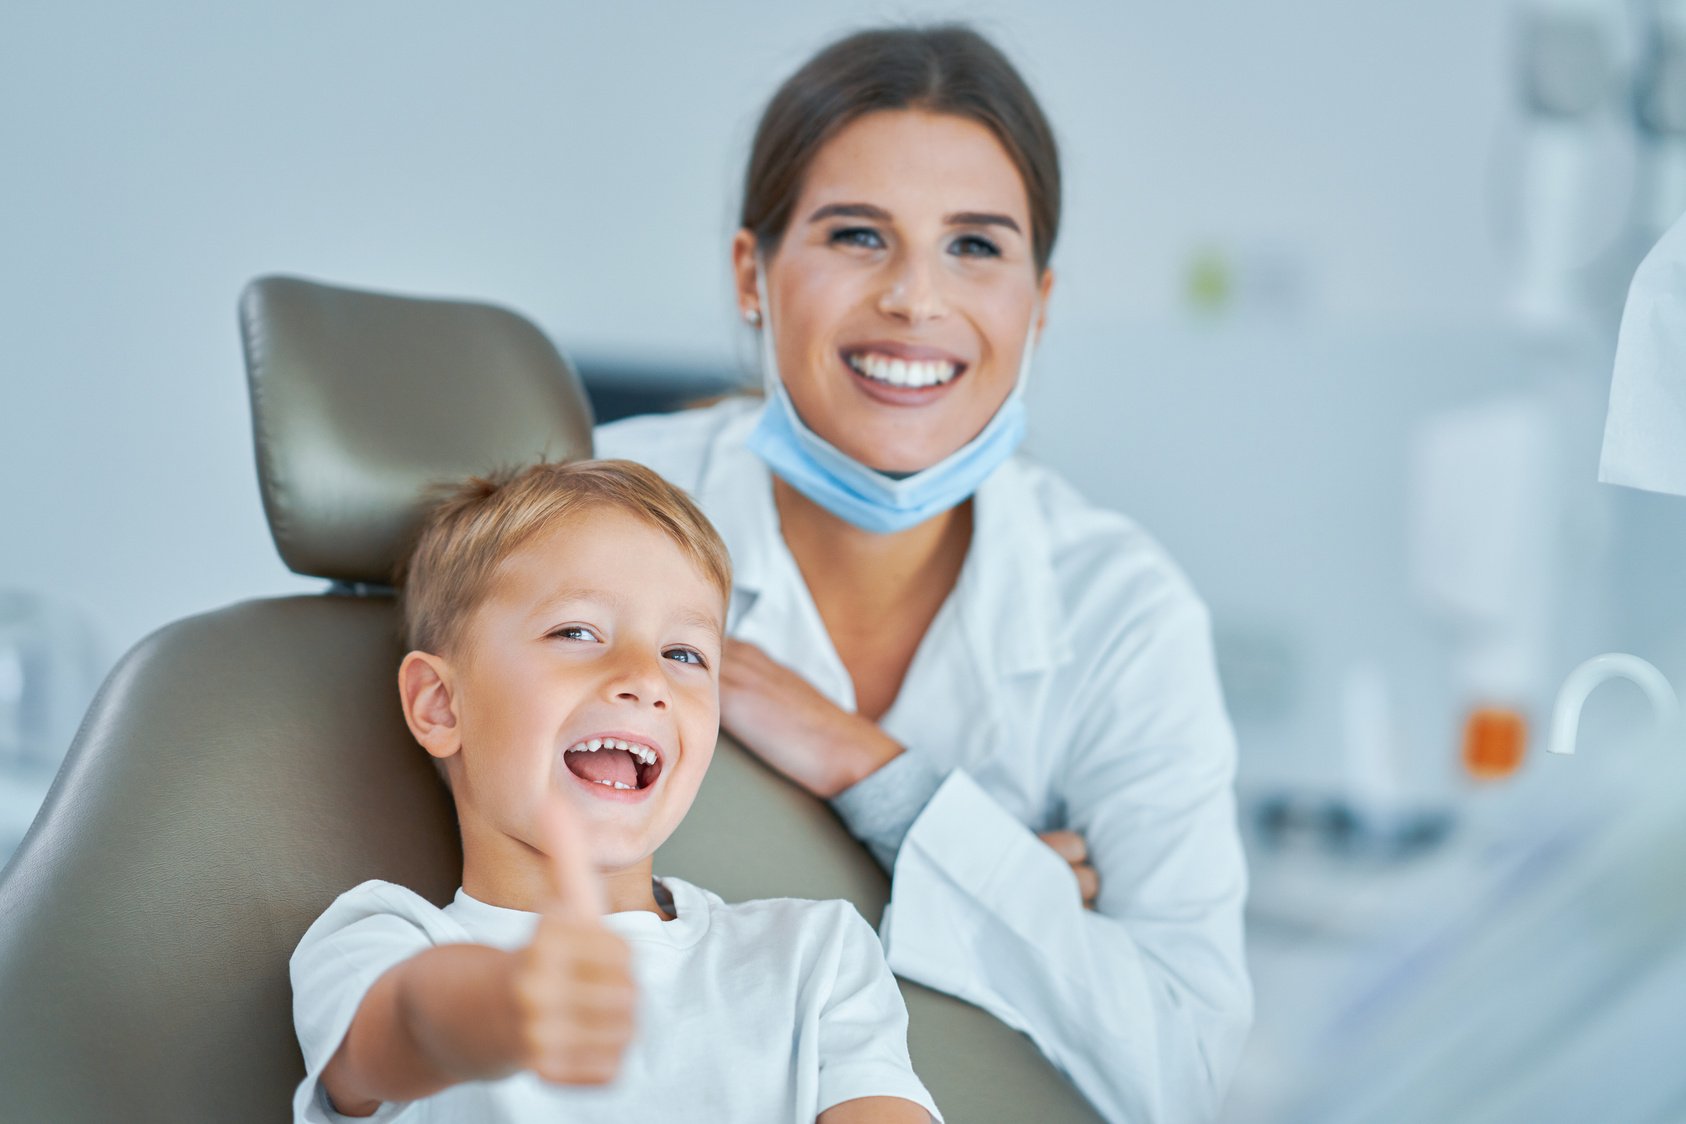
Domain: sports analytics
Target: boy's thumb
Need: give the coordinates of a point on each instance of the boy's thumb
(579, 890)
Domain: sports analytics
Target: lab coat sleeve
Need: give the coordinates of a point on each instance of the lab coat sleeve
(880, 808)
(1143, 1002)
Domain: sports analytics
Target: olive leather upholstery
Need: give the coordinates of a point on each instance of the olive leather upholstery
(241, 768)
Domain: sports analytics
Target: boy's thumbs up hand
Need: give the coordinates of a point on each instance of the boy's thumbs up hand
(578, 889)
(574, 989)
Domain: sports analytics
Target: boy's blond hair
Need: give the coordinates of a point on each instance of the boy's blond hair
(476, 525)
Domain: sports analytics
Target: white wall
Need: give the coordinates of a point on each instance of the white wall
(581, 164)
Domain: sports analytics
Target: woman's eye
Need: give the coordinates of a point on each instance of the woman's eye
(686, 655)
(574, 632)
(863, 236)
(974, 246)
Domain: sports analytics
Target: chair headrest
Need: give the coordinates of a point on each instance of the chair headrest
(361, 401)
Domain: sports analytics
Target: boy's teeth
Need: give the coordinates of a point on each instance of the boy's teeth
(643, 753)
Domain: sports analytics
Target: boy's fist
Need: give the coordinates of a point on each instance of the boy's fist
(574, 992)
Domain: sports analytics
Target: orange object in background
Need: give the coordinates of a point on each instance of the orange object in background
(1495, 739)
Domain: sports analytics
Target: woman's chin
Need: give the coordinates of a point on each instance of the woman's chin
(894, 441)
(905, 449)
(894, 458)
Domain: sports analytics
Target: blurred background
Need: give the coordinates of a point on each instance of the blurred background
(1338, 290)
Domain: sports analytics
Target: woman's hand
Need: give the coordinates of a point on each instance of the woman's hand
(781, 718)
(1069, 846)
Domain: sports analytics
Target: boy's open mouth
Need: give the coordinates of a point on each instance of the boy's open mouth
(616, 763)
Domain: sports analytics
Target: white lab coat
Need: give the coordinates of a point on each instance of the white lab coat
(1068, 682)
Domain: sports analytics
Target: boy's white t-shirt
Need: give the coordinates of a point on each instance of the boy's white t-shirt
(769, 1010)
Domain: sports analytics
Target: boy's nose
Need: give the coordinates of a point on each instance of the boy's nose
(640, 680)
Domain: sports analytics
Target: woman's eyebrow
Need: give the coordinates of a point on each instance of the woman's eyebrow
(982, 218)
(879, 214)
(851, 211)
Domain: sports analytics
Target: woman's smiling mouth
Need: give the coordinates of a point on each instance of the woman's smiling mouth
(900, 370)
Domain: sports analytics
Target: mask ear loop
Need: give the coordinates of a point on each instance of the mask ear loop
(1032, 339)
(763, 319)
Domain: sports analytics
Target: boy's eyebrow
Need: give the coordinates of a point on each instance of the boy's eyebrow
(695, 617)
(568, 596)
(879, 214)
(705, 621)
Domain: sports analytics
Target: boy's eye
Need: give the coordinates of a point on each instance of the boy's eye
(575, 632)
(862, 236)
(686, 655)
(975, 246)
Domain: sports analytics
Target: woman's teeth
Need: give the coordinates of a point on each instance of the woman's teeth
(903, 372)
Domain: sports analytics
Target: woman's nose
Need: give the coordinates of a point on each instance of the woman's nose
(913, 291)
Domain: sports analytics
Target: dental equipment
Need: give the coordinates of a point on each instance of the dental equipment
(1572, 696)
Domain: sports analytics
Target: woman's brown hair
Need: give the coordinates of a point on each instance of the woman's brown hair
(948, 68)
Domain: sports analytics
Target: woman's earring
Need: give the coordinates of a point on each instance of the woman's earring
(752, 317)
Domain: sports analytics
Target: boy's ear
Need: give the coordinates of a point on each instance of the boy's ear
(424, 687)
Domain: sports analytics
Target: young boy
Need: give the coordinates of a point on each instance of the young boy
(566, 626)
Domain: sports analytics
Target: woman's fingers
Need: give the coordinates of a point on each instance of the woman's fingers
(1069, 846)
(743, 654)
(1088, 882)
(742, 665)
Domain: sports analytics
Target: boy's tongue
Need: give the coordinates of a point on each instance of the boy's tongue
(605, 765)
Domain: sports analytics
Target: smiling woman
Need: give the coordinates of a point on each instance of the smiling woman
(922, 300)
(1008, 694)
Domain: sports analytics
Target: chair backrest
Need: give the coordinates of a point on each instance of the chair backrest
(360, 401)
(240, 769)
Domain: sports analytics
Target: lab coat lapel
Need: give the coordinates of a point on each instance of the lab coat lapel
(985, 660)
(982, 669)
(1009, 589)
(771, 607)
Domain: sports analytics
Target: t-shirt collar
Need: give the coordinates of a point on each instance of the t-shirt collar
(507, 928)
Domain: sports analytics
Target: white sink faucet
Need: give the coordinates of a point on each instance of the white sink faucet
(1572, 696)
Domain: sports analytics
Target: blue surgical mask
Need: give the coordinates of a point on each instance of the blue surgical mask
(870, 499)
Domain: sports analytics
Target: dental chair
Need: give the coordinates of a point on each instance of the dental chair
(241, 768)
